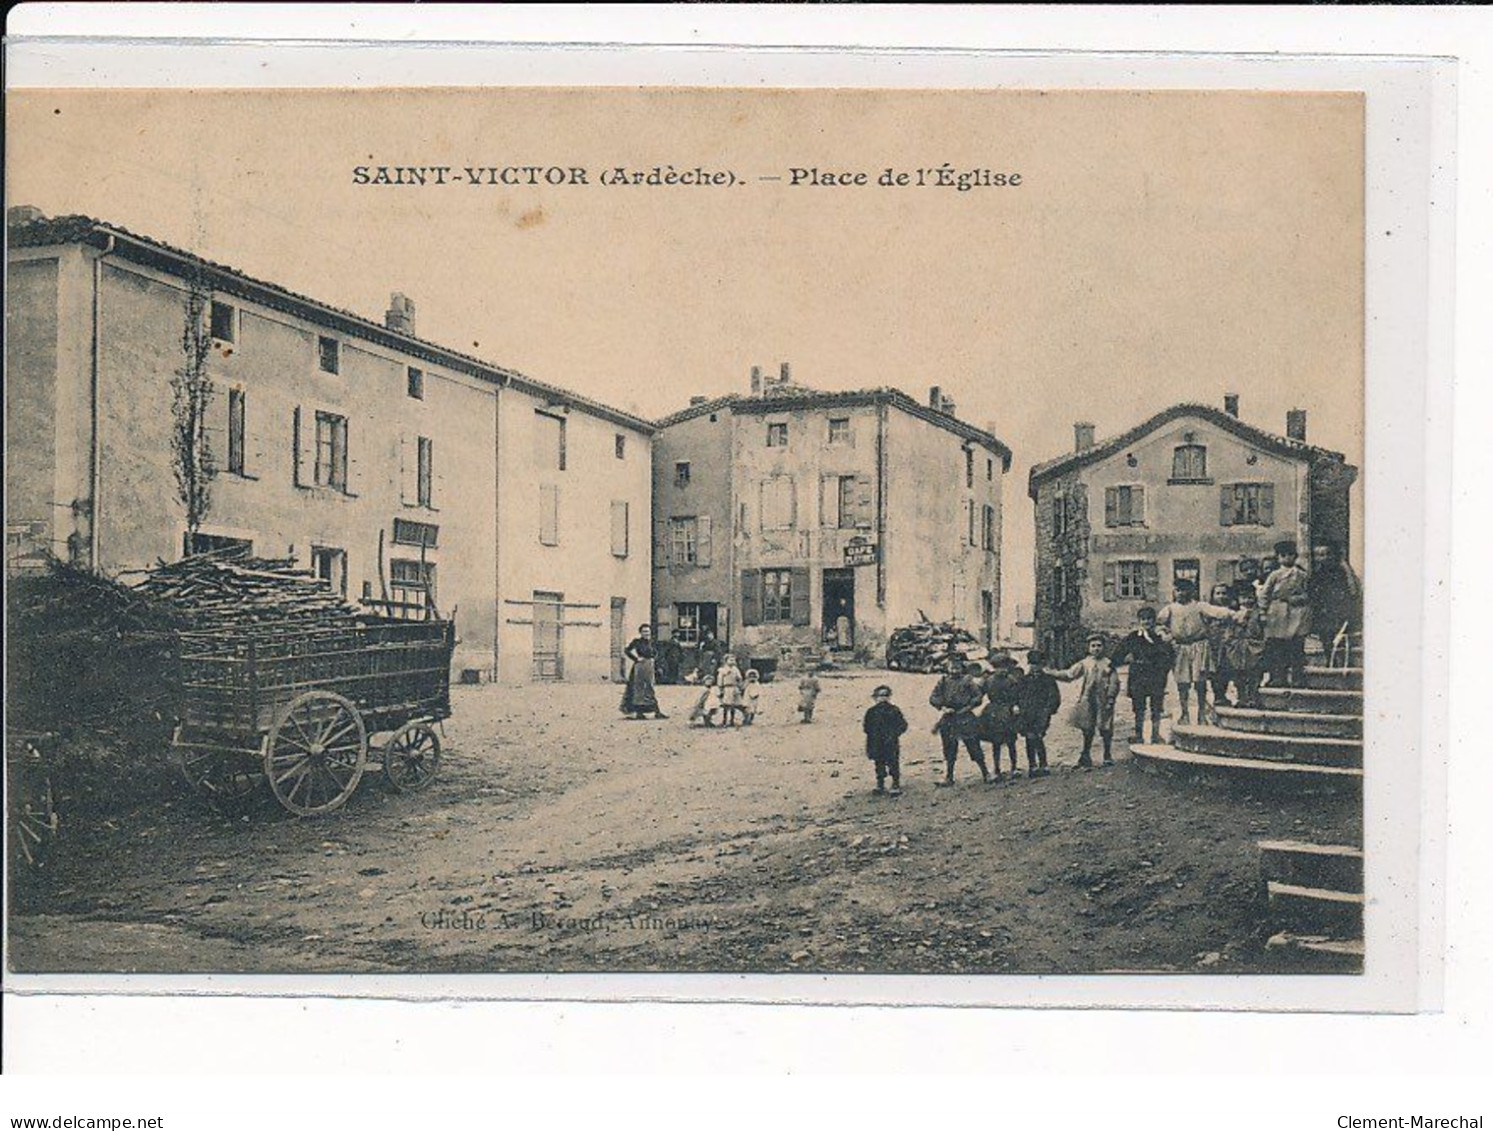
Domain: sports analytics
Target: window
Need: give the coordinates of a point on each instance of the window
(990, 471)
(236, 431)
(619, 445)
(221, 321)
(1130, 581)
(839, 430)
(619, 529)
(1187, 569)
(216, 543)
(549, 441)
(412, 581)
(425, 486)
(549, 515)
(847, 502)
(777, 503)
(987, 536)
(414, 383)
(1190, 464)
(969, 515)
(683, 541)
(407, 533)
(331, 451)
(1124, 506)
(329, 355)
(777, 435)
(681, 473)
(1059, 584)
(777, 596)
(1247, 504)
(330, 565)
(969, 467)
(1059, 514)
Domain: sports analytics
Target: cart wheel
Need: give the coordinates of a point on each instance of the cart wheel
(412, 757)
(316, 752)
(225, 779)
(33, 821)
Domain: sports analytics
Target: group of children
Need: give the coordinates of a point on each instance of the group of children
(730, 695)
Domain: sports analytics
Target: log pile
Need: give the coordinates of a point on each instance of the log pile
(928, 647)
(242, 596)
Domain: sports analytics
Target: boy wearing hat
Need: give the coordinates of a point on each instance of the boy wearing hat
(1037, 700)
(998, 720)
(956, 695)
(884, 726)
(1285, 608)
(1150, 660)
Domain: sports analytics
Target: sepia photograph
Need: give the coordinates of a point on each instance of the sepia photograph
(686, 530)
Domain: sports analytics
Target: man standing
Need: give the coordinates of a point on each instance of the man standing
(1285, 604)
(957, 695)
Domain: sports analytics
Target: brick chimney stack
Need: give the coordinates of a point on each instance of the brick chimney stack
(948, 406)
(756, 380)
(1296, 424)
(1083, 436)
(1231, 404)
(785, 374)
(935, 398)
(697, 400)
(401, 314)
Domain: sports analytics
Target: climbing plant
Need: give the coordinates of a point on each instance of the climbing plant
(191, 397)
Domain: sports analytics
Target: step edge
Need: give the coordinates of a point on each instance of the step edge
(1306, 847)
(1192, 757)
(1319, 895)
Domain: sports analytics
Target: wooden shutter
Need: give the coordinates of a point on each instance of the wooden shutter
(1226, 505)
(352, 473)
(1267, 504)
(1137, 506)
(1111, 506)
(409, 470)
(302, 444)
(798, 595)
(1151, 579)
(751, 596)
(1228, 572)
(661, 548)
(702, 540)
(549, 515)
(829, 500)
(619, 529)
(792, 502)
(1111, 581)
(865, 501)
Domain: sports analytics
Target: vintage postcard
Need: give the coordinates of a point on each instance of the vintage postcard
(688, 530)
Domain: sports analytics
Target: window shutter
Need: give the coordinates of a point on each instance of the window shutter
(1111, 581)
(1267, 504)
(408, 470)
(792, 502)
(798, 596)
(619, 529)
(253, 442)
(1226, 505)
(751, 596)
(702, 540)
(1151, 575)
(1078, 504)
(661, 549)
(1228, 572)
(1111, 506)
(300, 422)
(865, 501)
(829, 500)
(351, 453)
(1137, 506)
(549, 515)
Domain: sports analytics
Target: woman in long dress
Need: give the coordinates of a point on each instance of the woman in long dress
(640, 698)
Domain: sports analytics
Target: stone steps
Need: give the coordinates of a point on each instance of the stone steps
(1336, 867)
(1342, 752)
(1319, 701)
(1334, 679)
(1339, 914)
(1296, 776)
(1319, 954)
(1300, 723)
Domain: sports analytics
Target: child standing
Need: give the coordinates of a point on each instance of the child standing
(1247, 652)
(1037, 700)
(1150, 659)
(729, 683)
(1095, 709)
(1185, 622)
(884, 726)
(998, 721)
(956, 695)
(751, 696)
(808, 694)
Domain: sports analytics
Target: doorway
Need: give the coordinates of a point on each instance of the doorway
(839, 609)
(549, 635)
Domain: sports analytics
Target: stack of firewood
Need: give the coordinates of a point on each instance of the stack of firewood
(238, 594)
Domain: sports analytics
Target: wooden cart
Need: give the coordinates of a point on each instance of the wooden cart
(297, 709)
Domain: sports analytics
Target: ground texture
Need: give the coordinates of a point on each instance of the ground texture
(560, 837)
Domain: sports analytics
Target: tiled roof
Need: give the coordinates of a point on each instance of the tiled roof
(85, 229)
(799, 397)
(1215, 416)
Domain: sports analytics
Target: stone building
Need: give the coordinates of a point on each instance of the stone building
(399, 470)
(796, 520)
(1185, 495)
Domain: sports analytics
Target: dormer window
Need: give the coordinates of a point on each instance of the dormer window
(1190, 464)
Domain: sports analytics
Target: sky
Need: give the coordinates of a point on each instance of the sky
(1160, 247)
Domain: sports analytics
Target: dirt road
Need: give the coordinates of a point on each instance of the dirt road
(560, 837)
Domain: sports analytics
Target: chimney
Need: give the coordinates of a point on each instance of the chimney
(756, 380)
(1231, 404)
(1296, 424)
(401, 314)
(697, 400)
(1083, 437)
(935, 398)
(785, 374)
(23, 214)
(948, 406)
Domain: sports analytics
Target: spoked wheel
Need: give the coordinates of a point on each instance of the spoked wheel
(227, 780)
(33, 815)
(316, 753)
(412, 757)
